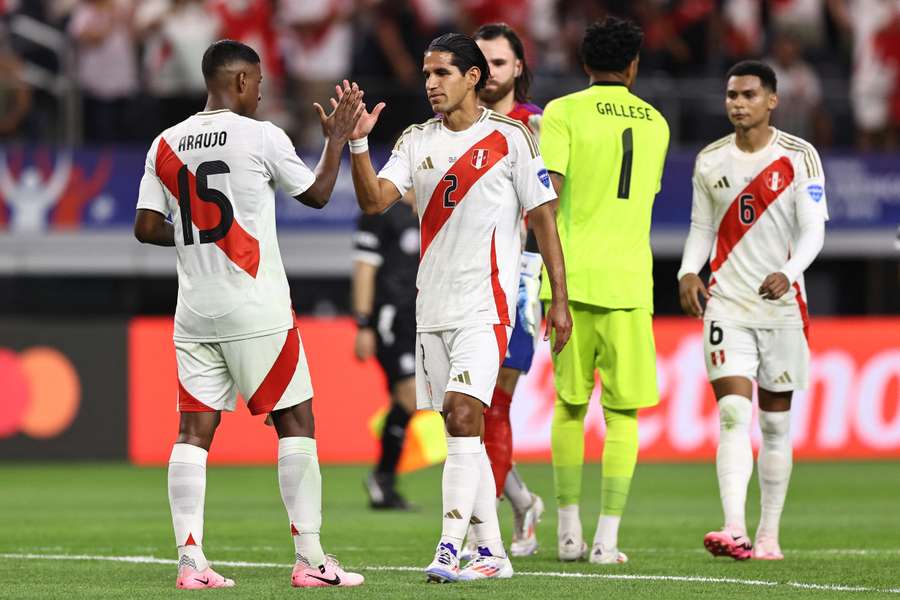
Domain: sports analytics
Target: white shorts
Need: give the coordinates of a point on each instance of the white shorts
(465, 360)
(269, 371)
(777, 359)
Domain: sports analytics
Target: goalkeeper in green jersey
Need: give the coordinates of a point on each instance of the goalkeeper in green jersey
(605, 149)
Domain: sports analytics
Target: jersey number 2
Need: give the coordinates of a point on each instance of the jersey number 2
(452, 184)
(627, 160)
(206, 194)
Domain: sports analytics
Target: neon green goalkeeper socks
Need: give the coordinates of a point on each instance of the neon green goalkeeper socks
(620, 452)
(567, 443)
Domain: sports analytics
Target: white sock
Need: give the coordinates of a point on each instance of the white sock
(607, 534)
(301, 490)
(516, 491)
(485, 525)
(187, 492)
(459, 487)
(775, 463)
(569, 523)
(734, 459)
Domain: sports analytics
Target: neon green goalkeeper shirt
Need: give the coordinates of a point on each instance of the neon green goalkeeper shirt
(611, 147)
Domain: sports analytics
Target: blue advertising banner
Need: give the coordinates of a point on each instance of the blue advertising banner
(55, 189)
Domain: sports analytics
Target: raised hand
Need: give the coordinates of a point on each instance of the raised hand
(346, 111)
(690, 289)
(367, 120)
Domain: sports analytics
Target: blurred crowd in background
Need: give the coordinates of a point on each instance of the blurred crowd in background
(99, 71)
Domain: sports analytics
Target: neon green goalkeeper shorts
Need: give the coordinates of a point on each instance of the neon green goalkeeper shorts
(619, 344)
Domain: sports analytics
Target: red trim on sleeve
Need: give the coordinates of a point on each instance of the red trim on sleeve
(279, 376)
(491, 149)
(779, 175)
(238, 245)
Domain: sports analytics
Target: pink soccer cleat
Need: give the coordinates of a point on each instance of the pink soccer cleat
(723, 543)
(191, 579)
(328, 575)
(767, 548)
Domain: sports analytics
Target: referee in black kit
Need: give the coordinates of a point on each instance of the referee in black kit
(385, 261)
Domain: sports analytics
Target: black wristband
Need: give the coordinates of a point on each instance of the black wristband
(363, 321)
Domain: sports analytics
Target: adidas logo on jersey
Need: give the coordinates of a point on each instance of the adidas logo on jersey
(426, 164)
(784, 378)
(722, 183)
(463, 378)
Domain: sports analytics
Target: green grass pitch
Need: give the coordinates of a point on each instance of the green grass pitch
(840, 534)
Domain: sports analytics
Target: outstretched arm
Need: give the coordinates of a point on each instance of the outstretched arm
(336, 128)
(543, 223)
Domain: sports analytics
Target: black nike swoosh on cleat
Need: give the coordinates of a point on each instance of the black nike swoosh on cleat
(335, 581)
(203, 581)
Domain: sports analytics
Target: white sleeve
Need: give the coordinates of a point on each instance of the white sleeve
(530, 177)
(398, 169)
(808, 246)
(287, 170)
(152, 195)
(702, 234)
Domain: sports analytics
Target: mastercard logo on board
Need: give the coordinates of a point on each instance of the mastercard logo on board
(40, 392)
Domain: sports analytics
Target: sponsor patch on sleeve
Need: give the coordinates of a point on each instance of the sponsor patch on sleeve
(544, 176)
(815, 191)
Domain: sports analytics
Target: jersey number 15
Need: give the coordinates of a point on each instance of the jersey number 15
(206, 194)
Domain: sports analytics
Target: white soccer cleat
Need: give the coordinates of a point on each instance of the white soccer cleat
(571, 547)
(767, 548)
(599, 556)
(524, 540)
(486, 566)
(445, 566)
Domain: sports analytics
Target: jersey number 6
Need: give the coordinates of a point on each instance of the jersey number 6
(206, 194)
(747, 213)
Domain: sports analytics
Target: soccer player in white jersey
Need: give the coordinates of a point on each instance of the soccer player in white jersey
(758, 217)
(473, 172)
(215, 173)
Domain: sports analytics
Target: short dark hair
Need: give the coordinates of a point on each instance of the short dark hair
(756, 68)
(611, 44)
(466, 54)
(492, 31)
(223, 52)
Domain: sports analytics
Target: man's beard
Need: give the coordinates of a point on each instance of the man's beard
(494, 95)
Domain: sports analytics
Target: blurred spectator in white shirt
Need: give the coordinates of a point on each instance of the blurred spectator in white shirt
(800, 110)
(107, 67)
(176, 33)
(317, 45)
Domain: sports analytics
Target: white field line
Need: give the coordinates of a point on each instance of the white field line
(607, 576)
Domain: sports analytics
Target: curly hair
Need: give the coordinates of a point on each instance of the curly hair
(466, 54)
(611, 44)
(492, 31)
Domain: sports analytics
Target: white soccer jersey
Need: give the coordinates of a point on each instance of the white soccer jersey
(471, 187)
(215, 173)
(756, 203)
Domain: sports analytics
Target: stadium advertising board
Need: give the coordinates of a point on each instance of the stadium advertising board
(49, 189)
(851, 411)
(62, 389)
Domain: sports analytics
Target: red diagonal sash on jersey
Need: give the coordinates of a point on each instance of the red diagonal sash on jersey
(238, 245)
(731, 228)
(436, 214)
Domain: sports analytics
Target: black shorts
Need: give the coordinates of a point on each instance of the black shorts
(395, 348)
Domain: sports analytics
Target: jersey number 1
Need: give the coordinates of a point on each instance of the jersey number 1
(206, 194)
(627, 159)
